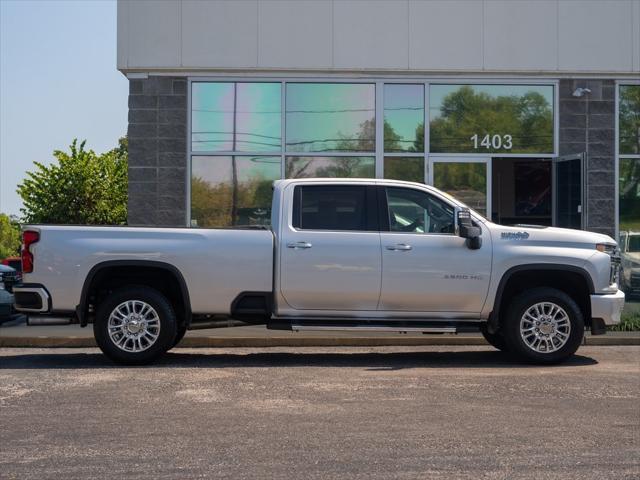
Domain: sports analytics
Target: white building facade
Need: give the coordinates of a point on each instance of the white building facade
(529, 111)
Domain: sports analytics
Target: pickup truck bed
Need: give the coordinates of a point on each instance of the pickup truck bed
(221, 264)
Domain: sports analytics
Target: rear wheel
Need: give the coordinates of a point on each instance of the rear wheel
(495, 339)
(543, 325)
(135, 325)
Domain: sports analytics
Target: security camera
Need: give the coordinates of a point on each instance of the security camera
(579, 92)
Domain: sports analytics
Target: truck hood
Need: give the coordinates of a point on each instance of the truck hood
(535, 234)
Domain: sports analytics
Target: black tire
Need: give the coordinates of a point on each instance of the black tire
(495, 339)
(515, 312)
(182, 330)
(165, 336)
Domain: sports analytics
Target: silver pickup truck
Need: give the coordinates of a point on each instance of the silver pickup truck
(366, 255)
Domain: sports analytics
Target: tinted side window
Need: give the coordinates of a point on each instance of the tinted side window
(329, 207)
(418, 212)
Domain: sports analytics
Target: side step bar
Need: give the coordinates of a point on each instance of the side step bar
(375, 325)
(367, 328)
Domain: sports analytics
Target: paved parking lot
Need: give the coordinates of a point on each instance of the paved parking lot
(317, 413)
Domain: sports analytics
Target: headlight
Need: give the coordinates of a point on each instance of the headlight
(1, 285)
(606, 248)
(612, 250)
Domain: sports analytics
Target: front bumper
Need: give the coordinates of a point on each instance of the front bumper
(607, 308)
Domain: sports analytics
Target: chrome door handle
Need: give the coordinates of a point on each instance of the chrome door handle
(299, 245)
(403, 247)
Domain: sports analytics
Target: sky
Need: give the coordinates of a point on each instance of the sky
(58, 81)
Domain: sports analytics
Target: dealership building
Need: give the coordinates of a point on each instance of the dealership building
(528, 111)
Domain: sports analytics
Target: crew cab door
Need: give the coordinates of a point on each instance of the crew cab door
(426, 267)
(330, 248)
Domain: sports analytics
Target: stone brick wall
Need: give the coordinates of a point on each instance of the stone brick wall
(157, 151)
(587, 124)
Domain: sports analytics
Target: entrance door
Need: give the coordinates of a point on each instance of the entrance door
(568, 191)
(465, 178)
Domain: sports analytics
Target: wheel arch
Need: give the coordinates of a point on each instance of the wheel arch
(543, 274)
(100, 273)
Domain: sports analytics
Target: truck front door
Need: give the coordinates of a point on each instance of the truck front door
(330, 248)
(426, 267)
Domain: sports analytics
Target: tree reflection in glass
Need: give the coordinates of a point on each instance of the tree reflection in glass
(330, 117)
(629, 119)
(523, 112)
(403, 118)
(228, 190)
(330, 167)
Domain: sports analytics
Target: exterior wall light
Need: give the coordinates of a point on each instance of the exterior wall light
(580, 92)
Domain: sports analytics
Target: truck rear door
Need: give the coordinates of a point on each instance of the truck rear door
(330, 248)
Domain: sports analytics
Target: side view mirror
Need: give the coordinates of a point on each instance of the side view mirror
(466, 229)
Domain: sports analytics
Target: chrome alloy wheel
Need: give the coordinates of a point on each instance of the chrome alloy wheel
(134, 326)
(545, 327)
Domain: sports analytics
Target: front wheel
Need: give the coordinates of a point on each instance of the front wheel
(543, 325)
(135, 325)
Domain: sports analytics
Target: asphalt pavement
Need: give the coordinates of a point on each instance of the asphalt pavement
(463, 412)
(17, 334)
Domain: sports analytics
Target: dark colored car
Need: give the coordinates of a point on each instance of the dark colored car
(13, 262)
(8, 278)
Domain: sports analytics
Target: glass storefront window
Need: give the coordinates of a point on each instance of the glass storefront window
(629, 106)
(491, 118)
(239, 117)
(332, 167)
(403, 118)
(630, 194)
(466, 181)
(409, 169)
(330, 117)
(232, 190)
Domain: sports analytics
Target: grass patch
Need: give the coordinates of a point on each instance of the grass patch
(630, 322)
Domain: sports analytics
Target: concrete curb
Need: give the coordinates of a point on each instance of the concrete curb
(256, 342)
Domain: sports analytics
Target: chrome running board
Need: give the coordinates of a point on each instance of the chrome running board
(376, 328)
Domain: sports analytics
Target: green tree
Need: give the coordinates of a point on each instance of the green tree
(82, 187)
(9, 237)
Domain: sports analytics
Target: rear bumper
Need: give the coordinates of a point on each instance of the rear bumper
(607, 308)
(31, 298)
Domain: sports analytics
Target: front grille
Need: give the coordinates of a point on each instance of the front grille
(9, 279)
(635, 280)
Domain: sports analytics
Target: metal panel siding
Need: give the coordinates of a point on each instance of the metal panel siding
(153, 34)
(595, 36)
(562, 36)
(445, 35)
(520, 35)
(295, 34)
(222, 33)
(370, 34)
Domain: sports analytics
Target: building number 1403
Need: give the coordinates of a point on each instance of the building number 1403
(492, 141)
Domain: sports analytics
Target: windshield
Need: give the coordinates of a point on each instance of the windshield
(634, 243)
